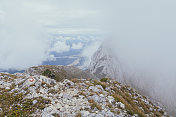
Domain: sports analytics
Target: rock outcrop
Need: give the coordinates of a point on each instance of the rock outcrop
(23, 94)
(105, 64)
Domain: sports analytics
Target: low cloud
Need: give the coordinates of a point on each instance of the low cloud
(143, 38)
(51, 58)
(60, 47)
(77, 46)
(23, 41)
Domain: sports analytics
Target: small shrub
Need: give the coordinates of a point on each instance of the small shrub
(104, 79)
(49, 74)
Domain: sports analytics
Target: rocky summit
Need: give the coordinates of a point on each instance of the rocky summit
(25, 95)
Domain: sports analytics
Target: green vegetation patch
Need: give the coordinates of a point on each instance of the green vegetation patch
(104, 79)
(49, 74)
(14, 105)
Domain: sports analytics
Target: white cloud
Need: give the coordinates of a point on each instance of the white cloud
(77, 46)
(64, 14)
(60, 47)
(74, 30)
(1, 14)
(23, 41)
(51, 58)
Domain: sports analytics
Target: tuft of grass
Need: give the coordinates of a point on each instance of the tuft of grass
(41, 103)
(104, 79)
(78, 115)
(52, 91)
(82, 93)
(103, 84)
(129, 105)
(15, 105)
(123, 96)
(93, 105)
(109, 105)
(75, 80)
(56, 115)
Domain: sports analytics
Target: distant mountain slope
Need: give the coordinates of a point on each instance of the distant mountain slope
(25, 95)
(105, 64)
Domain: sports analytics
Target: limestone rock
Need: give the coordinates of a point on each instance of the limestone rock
(69, 98)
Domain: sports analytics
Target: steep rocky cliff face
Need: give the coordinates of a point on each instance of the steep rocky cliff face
(105, 64)
(25, 95)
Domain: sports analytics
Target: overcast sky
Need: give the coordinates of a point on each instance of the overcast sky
(25, 27)
(25, 22)
(56, 13)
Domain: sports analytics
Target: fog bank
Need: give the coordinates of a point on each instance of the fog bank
(142, 34)
(23, 41)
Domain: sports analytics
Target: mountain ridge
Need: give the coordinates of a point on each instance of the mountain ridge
(105, 64)
(23, 94)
